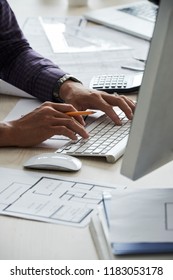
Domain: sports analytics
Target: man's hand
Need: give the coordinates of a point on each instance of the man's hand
(82, 99)
(44, 122)
(51, 119)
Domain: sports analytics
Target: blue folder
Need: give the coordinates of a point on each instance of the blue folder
(141, 248)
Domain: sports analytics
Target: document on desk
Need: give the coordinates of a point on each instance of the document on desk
(8, 89)
(49, 198)
(75, 45)
(141, 221)
(71, 35)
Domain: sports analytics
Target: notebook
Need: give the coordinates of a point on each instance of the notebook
(137, 18)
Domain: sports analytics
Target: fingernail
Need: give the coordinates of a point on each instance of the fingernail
(131, 116)
(119, 122)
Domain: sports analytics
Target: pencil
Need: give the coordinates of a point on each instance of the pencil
(80, 113)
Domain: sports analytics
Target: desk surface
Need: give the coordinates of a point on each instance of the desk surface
(23, 239)
(56, 7)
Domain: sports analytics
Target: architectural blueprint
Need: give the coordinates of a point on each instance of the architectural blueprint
(53, 199)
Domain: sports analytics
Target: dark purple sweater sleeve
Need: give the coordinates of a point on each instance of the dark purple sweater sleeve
(20, 65)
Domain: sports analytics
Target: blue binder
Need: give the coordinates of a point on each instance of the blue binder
(141, 248)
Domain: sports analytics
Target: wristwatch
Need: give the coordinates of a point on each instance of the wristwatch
(59, 83)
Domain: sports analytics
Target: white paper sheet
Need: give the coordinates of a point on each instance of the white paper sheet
(49, 198)
(72, 36)
(144, 215)
(84, 50)
(7, 89)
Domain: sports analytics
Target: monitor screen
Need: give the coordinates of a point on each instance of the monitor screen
(150, 143)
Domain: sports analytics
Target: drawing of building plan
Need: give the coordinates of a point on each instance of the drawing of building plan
(53, 199)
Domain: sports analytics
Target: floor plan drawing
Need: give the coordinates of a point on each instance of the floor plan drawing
(54, 199)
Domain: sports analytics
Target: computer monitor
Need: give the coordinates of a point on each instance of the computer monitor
(150, 143)
(155, 1)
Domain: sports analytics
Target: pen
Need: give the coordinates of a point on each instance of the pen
(80, 113)
(134, 68)
(140, 59)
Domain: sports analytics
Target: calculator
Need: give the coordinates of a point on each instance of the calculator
(119, 83)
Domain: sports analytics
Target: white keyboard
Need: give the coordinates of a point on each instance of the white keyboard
(106, 139)
(144, 11)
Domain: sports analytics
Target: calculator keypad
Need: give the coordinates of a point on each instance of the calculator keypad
(110, 82)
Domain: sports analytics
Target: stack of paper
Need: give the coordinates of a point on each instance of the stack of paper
(141, 221)
(138, 222)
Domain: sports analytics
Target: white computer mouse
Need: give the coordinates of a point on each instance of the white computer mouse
(54, 161)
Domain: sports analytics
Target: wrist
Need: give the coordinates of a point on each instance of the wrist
(5, 135)
(62, 87)
(68, 89)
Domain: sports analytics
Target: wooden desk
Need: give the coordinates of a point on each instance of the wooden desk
(24, 239)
